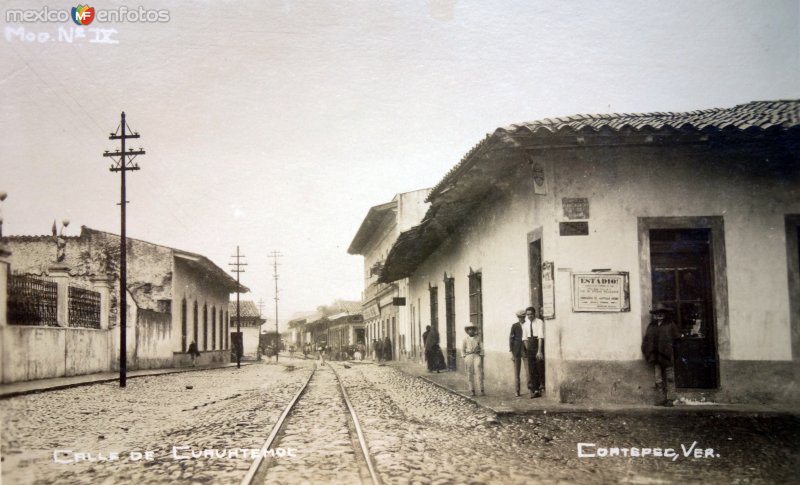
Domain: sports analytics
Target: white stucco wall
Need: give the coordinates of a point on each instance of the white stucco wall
(623, 185)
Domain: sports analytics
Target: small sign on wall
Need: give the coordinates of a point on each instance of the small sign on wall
(537, 173)
(573, 228)
(575, 207)
(601, 292)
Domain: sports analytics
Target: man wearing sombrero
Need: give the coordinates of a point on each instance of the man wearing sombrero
(472, 352)
(658, 349)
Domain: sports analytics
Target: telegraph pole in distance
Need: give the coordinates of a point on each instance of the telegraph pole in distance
(121, 165)
(275, 255)
(237, 268)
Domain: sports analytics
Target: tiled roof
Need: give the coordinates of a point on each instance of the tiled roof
(247, 309)
(754, 116)
(491, 162)
(349, 307)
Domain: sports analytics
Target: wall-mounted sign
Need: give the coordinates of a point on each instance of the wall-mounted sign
(399, 301)
(537, 172)
(573, 228)
(575, 207)
(600, 292)
(548, 291)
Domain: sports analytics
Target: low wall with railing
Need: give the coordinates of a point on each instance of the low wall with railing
(51, 329)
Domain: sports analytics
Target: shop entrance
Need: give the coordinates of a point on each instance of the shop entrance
(682, 280)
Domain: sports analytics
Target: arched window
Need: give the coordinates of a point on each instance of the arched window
(195, 324)
(214, 327)
(227, 330)
(183, 325)
(205, 327)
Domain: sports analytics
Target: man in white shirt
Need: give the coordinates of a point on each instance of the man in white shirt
(472, 352)
(533, 333)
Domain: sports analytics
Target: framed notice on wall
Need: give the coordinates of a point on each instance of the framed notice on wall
(548, 292)
(601, 292)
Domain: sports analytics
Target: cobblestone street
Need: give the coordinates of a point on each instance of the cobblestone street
(445, 438)
(416, 432)
(204, 410)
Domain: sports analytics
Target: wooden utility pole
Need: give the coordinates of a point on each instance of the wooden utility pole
(275, 255)
(122, 165)
(237, 268)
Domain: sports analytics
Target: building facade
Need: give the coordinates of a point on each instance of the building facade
(250, 325)
(595, 219)
(174, 297)
(386, 308)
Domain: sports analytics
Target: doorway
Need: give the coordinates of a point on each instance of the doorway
(680, 262)
(535, 272)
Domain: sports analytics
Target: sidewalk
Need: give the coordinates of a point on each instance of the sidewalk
(43, 385)
(507, 403)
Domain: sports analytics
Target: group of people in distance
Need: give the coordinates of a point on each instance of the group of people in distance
(382, 349)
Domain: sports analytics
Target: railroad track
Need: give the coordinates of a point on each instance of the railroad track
(322, 427)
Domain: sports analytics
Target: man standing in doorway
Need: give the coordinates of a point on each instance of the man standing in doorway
(658, 349)
(535, 352)
(516, 346)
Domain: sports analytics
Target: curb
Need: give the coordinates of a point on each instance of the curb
(57, 387)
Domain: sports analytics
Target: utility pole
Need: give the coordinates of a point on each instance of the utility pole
(260, 306)
(275, 255)
(237, 268)
(122, 165)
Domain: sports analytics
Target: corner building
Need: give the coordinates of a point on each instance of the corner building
(594, 219)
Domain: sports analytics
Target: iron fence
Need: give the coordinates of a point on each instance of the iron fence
(32, 301)
(84, 308)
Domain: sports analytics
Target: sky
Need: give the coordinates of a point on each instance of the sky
(276, 125)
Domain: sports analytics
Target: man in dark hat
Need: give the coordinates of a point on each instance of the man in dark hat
(658, 349)
(472, 352)
(516, 347)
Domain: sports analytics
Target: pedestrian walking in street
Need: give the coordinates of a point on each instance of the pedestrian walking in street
(387, 348)
(535, 352)
(472, 352)
(321, 349)
(193, 352)
(379, 349)
(517, 348)
(658, 347)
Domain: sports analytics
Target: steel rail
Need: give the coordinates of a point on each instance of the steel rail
(376, 480)
(251, 472)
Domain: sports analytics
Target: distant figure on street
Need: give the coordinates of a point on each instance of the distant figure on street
(387, 348)
(472, 352)
(658, 349)
(517, 348)
(425, 345)
(533, 332)
(379, 349)
(193, 352)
